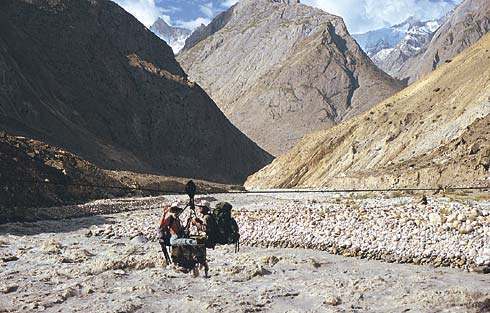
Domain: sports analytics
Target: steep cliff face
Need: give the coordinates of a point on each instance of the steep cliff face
(467, 24)
(280, 69)
(434, 133)
(88, 77)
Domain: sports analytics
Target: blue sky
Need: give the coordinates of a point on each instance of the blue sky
(359, 15)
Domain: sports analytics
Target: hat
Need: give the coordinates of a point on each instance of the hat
(175, 209)
(203, 203)
(176, 204)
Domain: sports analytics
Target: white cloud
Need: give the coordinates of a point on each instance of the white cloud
(146, 11)
(228, 3)
(207, 9)
(365, 15)
(193, 23)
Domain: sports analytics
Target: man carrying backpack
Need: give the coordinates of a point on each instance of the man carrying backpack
(228, 231)
(207, 224)
(171, 227)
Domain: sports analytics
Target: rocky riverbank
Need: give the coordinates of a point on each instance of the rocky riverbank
(396, 230)
(443, 233)
(111, 263)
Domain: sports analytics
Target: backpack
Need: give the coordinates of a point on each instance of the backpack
(227, 230)
(212, 231)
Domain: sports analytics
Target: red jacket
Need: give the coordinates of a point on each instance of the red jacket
(173, 223)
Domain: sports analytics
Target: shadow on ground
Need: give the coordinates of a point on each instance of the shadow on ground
(51, 226)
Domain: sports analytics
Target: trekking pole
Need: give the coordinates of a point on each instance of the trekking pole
(190, 190)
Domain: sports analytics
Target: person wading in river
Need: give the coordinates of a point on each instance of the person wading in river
(172, 228)
(207, 224)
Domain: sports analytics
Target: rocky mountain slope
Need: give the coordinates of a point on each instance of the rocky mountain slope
(175, 37)
(23, 162)
(279, 70)
(203, 31)
(434, 133)
(389, 48)
(467, 23)
(34, 174)
(88, 77)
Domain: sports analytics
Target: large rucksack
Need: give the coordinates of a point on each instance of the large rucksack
(227, 231)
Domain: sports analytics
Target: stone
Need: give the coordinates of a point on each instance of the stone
(482, 260)
(466, 229)
(333, 300)
(435, 218)
(10, 258)
(8, 288)
(461, 217)
(472, 253)
(140, 239)
(481, 269)
(451, 218)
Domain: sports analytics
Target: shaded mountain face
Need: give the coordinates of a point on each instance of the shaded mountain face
(434, 133)
(23, 161)
(279, 70)
(467, 24)
(175, 37)
(89, 78)
(35, 174)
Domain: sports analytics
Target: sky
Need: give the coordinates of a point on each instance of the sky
(359, 15)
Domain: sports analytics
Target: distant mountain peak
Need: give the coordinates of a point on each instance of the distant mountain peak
(175, 37)
(427, 45)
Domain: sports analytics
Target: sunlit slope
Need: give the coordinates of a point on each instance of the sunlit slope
(433, 133)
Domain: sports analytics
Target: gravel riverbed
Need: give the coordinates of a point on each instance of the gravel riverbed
(102, 263)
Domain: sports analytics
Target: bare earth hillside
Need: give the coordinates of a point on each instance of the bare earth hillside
(280, 70)
(434, 133)
(86, 76)
(34, 174)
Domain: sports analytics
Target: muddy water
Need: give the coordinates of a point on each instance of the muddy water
(61, 266)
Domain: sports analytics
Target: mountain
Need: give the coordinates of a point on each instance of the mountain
(86, 76)
(23, 161)
(467, 24)
(203, 31)
(375, 41)
(280, 69)
(34, 174)
(418, 35)
(175, 37)
(389, 48)
(433, 133)
(411, 36)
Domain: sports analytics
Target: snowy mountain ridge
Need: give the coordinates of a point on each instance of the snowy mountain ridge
(411, 34)
(175, 37)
